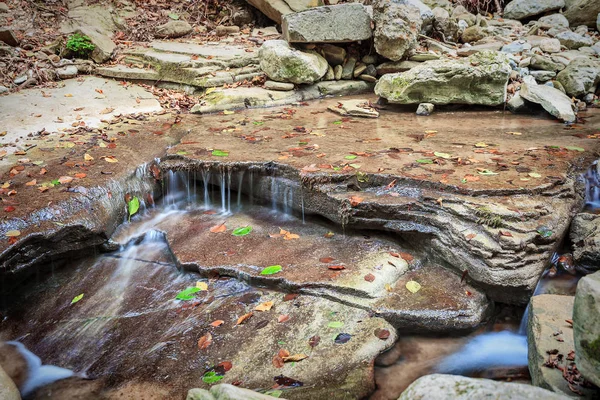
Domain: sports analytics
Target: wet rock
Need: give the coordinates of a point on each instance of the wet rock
(329, 75)
(420, 57)
(521, 9)
(334, 55)
(572, 40)
(8, 389)
(552, 100)
(517, 104)
(470, 50)
(13, 364)
(173, 29)
(371, 70)
(7, 36)
(285, 64)
(355, 108)
(473, 34)
(425, 109)
(330, 24)
(348, 68)
(425, 11)
(423, 83)
(553, 21)
(281, 86)
(226, 392)
(394, 67)
(338, 70)
(223, 30)
(585, 236)
(69, 71)
(444, 24)
(545, 63)
(397, 27)
(550, 45)
(580, 77)
(369, 59)
(586, 327)
(582, 12)
(359, 69)
(443, 387)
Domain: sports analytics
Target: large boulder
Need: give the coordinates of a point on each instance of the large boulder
(328, 24)
(446, 387)
(442, 23)
(521, 9)
(582, 12)
(426, 13)
(276, 9)
(173, 29)
(580, 77)
(586, 327)
(397, 27)
(552, 100)
(283, 63)
(585, 236)
(444, 81)
(8, 389)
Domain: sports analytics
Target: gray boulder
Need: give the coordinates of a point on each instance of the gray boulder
(572, 40)
(549, 45)
(540, 62)
(586, 327)
(443, 81)
(585, 236)
(582, 12)
(552, 100)
(276, 9)
(473, 34)
(173, 29)
(521, 9)
(446, 387)
(425, 109)
(425, 11)
(68, 71)
(397, 27)
(285, 64)
(445, 25)
(553, 21)
(225, 391)
(328, 24)
(542, 76)
(580, 77)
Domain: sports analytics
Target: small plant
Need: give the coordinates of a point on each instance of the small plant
(80, 45)
(487, 217)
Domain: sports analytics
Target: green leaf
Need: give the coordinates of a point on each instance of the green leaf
(77, 298)
(173, 16)
(133, 206)
(220, 153)
(243, 231)
(487, 172)
(337, 122)
(335, 324)
(544, 232)
(55, 182)
(211, 377)
(574, 148)
(442, 155)
(274, 393)
(425, 161)
(350, 157)
(258, 122)
(182, 153)
(273, 269)
(187, 294)
(355, 166)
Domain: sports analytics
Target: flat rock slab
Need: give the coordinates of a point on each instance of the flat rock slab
(355, 108)
(553, 100)
(129, 312)
(213, 50)
(476, 206)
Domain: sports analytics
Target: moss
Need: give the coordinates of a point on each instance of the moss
(487, 217)
(592, 349)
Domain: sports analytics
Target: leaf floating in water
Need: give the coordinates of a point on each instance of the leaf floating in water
(243, 231)
(287, 382)
(211, 377)
(77, 298)
(220, 153)
(335, 324)
(342, 338)
(187, 294)
(133, 206)
(273, 269)
(413, 286)
(382, 334)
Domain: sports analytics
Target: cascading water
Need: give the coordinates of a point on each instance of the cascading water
(592, 187)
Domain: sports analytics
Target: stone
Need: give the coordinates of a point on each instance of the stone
(598, 23)
(223, 30)
(397, 27)
(3, 89)
(393, 67)
(225, 391)
(585, 236)
(580, 77)
(334, 55)
(420, 57)
(572, 40)
(8, 389)
(446, 387)
(470, 50)
(348, 68)
(461, 13)
(521, 9)
(173, 29)
(515, 47)
(7, 36)
(553, 21)
(20, 79)
(582, 12)
(443, 4)
(329, 75)
(337, 71)
(425, 109)
(473, 34)
(445, 25)
(371, 70)
(340, 23)
(552, 100)
(369, 59)
(517, 104)
(542, 76)
(359, 69)
(242, 16)
(545, 63)
(550, 45)
(285, 64)
(367, 78)
(581, 30)
(424, 10)
(355, 108)
(69, 71)
(443, 81)
(586, 327)
(281, 86)
(4, 8)
(276, 9)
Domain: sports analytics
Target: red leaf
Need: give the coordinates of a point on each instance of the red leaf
(369, 277)
(204, 341)
(382, 334)
(9, 209)
(283, 318)
(326, 260)
(336, 267)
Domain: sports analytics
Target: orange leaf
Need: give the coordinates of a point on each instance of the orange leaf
(226, 365)
(266, 306)
(406, 257)
(80, 175)
(204, 341)
(218, 228)
(277, 362)
(336, 267)
(369, 277)
(326, 260)
(43, 171)
(283, 353)
(31, 183)
(217, 322)
(283, 318)
(244, 318)
(355, 200)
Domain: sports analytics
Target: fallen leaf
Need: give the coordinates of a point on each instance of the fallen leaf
(218, 228)
(65, 179)
(413, 286)
(336, 267)
(80, 175)
(326, 260)
(270, 270)
(314, 341)
(342, 338)
(110, 159)
(329, 235)
(217, 323)
(277, 362)
(355, 200)
(13, 233)
(369, 277)
(382, 334)
(283, 318)
(77, 298)
(534, 175)
(31, 183)
(204, 341)
(225, 366)
(9, 209)
(406, 257)
(294, 358)
(244, 318)
(290, 296)
(87, 157)
(202, 285)
(266, 306)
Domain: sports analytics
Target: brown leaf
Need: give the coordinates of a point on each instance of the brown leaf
(406, 257)
(290, 296)
(31, 183)
(369, 277)
(470, 236)
(326, 260)
(283, 353)
(43, 171)
(204, 341)
(505, 233)
(80, 175)
(382, 334)
(277, 362)
(217, 322)
(218, 228)
(283, 318)
(244, 318)
(314, 341)
(355, 200)
(336, 267)
(295, 357)
(266, 306)
(225, 365)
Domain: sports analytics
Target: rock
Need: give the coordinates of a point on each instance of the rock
(348, 68)
(223, 30)
(572, 40)
(8, 389)
(420, 57)
(4, 8)
(425, 109)
(443, 81)
(355, 108)
(443, 4)
(281, 86)
(70, 71)
(367, 78)
(598, 23)
(334, 55)
(470, 50)
(397, 27)
(225, 391)
(329, 24)
(242, 16)
(337, 72)
(369, 59)
(586, 327)
(371, 70)
(329, 75)
(545, 63)
(521, 9)
(553, 21)
(542, 76)
(582, 12)
(276, 9)
(517, 104)
(359, 69)
(426, 14)
(3, 89)
(585, 236)
(393, 67)
(444, 24)
(550, 45)
(581, 30)
(552, 100)
(473, 34)
(13, 364)
(7, 36)
(580, 77)
(20, 79)
(461, 13)
(285, 64)
(515, 47)
(173, 29)
(446, 387)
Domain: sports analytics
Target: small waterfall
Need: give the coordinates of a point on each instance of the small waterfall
(239, 192)
(274, 193)
(229, 191)
(251, 193)
(592, 186)
(206, 181)
(223, 194)
(288, 200)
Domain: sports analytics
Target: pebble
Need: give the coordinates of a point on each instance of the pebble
(227, 30)
(369, 59)
(70, 71)
(359, 69)
(371, 70)
(3, 89)
(425, 109)
(4, 8)
(280, 86)
(20, 79)
(337, 70)
(367, 78)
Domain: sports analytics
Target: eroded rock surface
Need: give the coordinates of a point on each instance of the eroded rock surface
(586, 327)
(286, 64)
(397, 27)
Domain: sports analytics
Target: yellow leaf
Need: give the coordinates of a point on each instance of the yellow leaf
(413, 286)
(87, 157)
(202, 285)
(102, 144)
(110, 159)
(295, 357)
(13, 233)
(481, 144)
(68, 95)
(227, 112)
(388, 287)
(266, 306)
(210, 90)
(515, 133)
